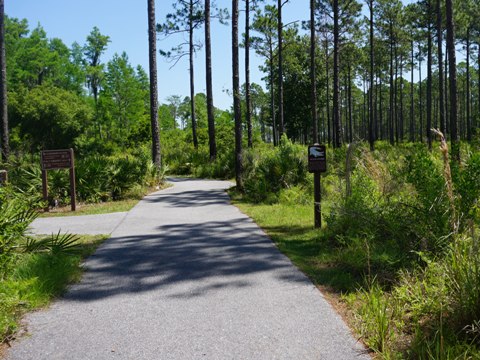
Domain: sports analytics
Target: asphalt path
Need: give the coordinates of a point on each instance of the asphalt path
(186, 275)
(82, 224)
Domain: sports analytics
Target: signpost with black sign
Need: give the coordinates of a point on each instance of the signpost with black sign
(58, 159)
(317, 163)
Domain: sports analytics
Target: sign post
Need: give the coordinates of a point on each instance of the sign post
(317, 163)
(58, 159)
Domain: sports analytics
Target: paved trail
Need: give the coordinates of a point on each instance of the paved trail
(186, 275)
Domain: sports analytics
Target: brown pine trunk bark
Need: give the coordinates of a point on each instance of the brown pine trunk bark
(3, 87)
(371, 138)
(208, 63)
(313, 80)
(152, 45)
(236, 98)
(280, 71)
(247, 74)
(468, 95)
(336, 80)
(327, 83)
(452, 69)
(441, 93)
(412, 104)
(429, 85)
(192, 79)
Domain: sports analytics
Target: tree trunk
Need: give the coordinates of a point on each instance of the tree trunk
(336, 81)
(441, 93)
(152, 47)
(395, 96)
(420, 93)
(468, 95)
(236, 98)
(375, 107)
(429, 84)
(391, 110)
(192, 79)
(3, 86)
(327, 100)
(412, 104)
(452, 69)
(208, 62)
(401, 123)
(380, 110)
(371, 139)
(478, 87)
(280, 71)
(350, 111)
(313, 80)
(272, 95)
(247, 73)
(447, 101)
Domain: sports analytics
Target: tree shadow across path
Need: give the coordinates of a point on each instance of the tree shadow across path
(184, 260)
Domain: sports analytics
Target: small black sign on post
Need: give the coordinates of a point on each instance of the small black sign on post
(3, 177)
(317, 163)
(58, 159)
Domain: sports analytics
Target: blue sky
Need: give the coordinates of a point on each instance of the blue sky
(125, 21)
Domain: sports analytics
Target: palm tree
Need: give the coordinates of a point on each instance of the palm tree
(152, 49)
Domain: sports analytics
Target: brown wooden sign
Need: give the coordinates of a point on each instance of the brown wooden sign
(317, 158)
(57, 159)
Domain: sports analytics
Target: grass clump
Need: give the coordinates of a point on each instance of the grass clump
(33, 270)
(39, 274)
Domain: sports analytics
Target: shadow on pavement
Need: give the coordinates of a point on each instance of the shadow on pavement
(193, 198)
(178, 257)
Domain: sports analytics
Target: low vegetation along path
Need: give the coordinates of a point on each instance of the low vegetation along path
(186, 275)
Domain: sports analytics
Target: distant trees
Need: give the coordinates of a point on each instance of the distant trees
(345, 80)
(93, 50)
(188, 16)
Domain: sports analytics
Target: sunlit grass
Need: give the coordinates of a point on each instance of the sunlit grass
(36, 279)
(291, 227)
(93, 209)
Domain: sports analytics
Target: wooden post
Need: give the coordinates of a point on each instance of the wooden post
(72, 184)
(317, 163)
(317, 199)
(58, 159)
(45, 189)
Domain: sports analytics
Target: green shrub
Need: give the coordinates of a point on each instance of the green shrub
(271, 169)
(16, 213)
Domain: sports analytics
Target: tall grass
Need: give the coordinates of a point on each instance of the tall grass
(401, 224)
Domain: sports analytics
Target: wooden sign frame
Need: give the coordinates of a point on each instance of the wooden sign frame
(54, 160)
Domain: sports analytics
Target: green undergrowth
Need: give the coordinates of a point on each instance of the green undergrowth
(39, 273)
(398, 244)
